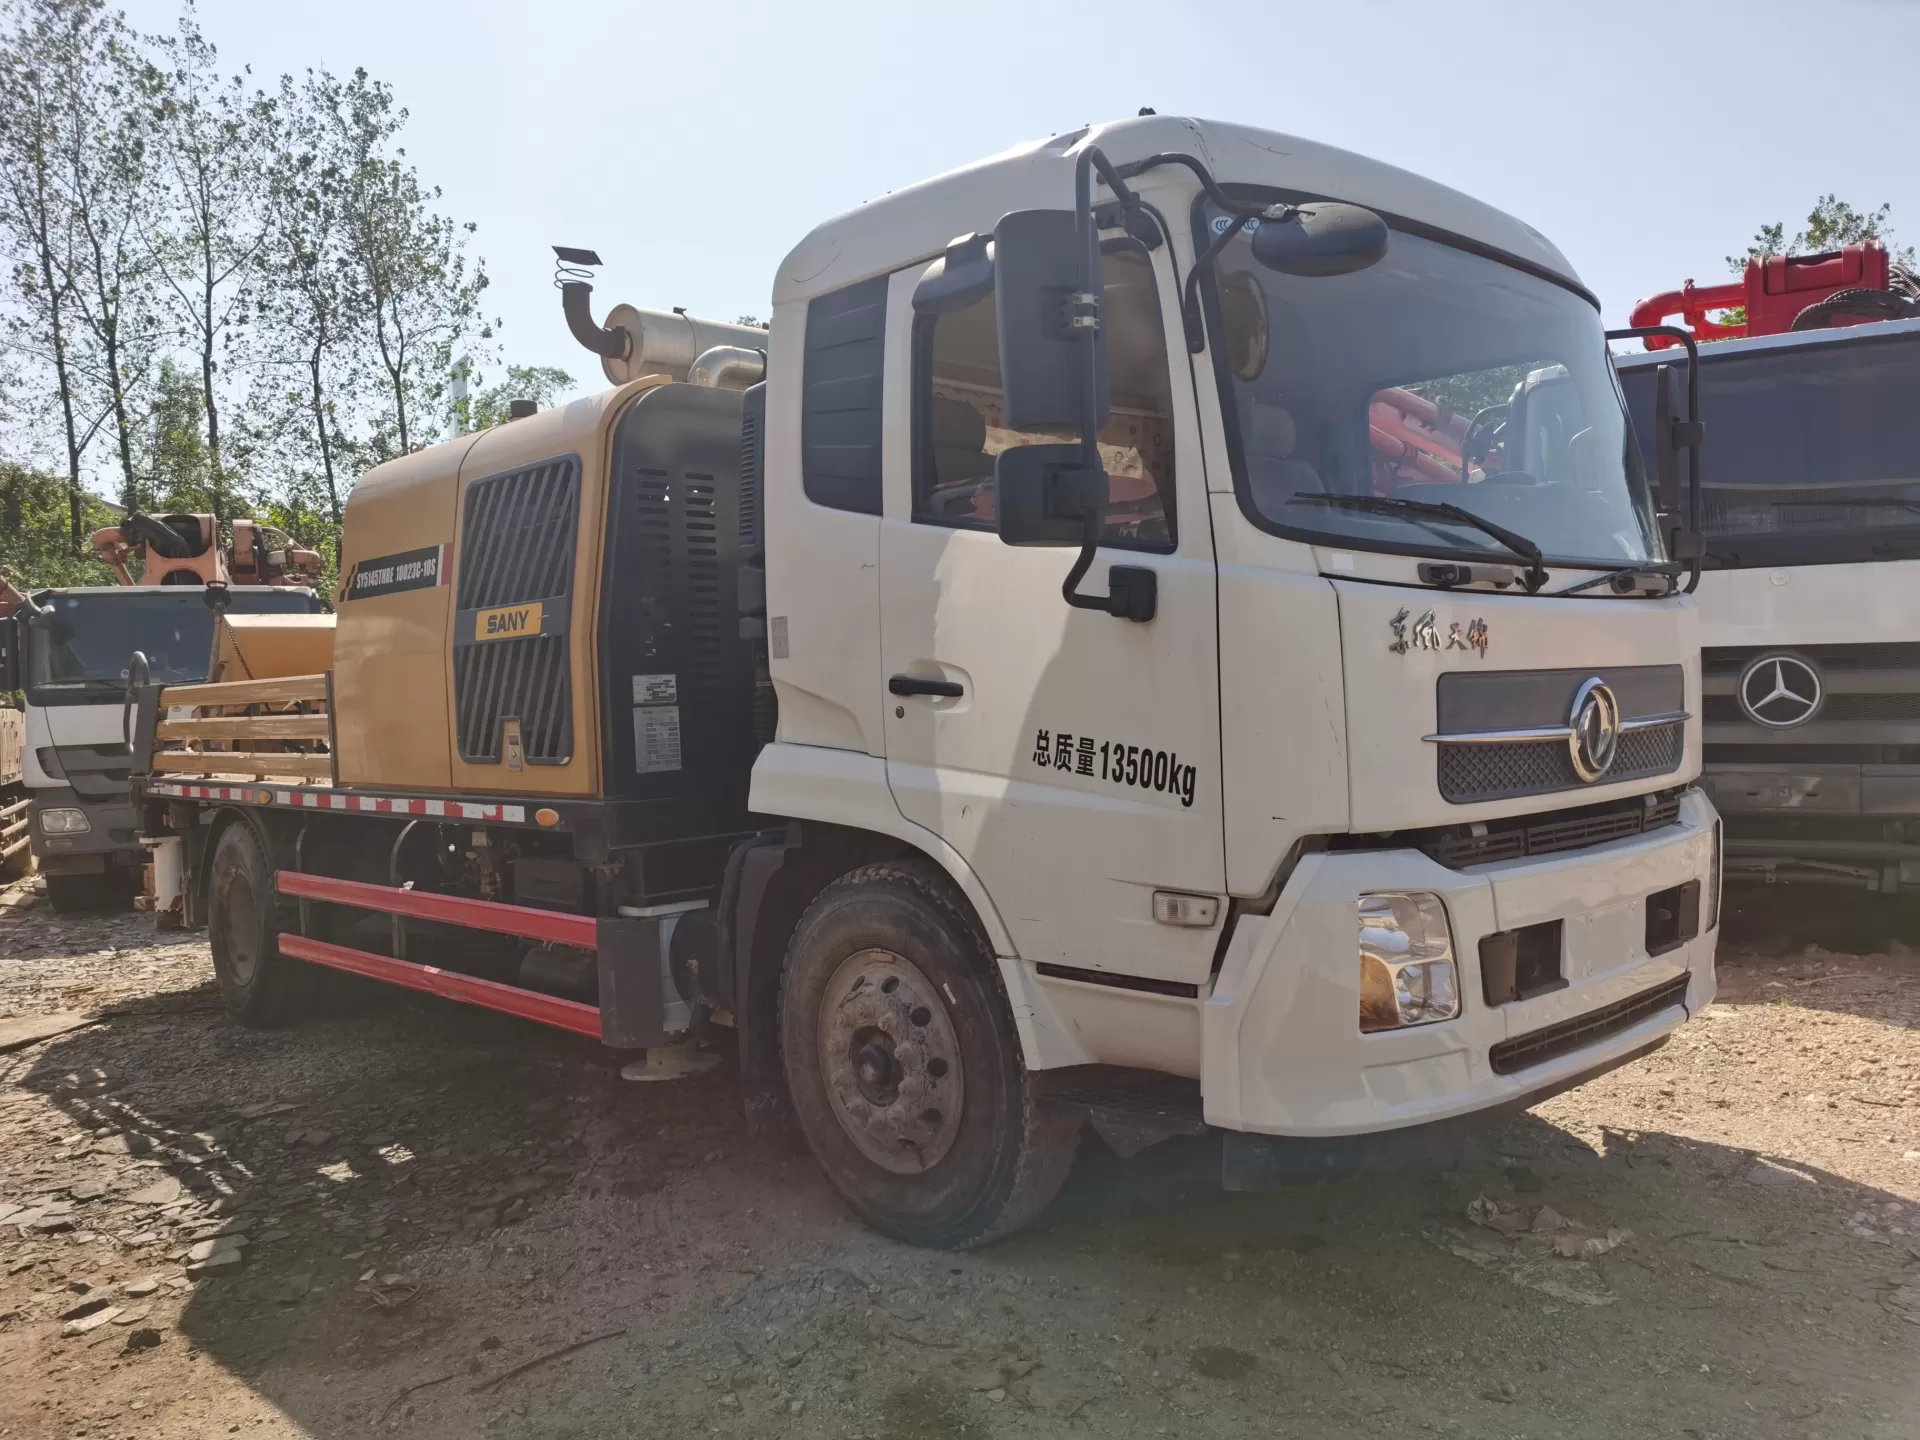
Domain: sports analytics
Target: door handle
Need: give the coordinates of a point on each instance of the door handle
(920, 685)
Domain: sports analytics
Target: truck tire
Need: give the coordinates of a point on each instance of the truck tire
(76, 894)
(904, 1067)
(262, 987)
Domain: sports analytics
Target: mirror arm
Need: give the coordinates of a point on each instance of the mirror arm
(1695, 436)
(1248, 208)
(1083, 562)
(1190, 294)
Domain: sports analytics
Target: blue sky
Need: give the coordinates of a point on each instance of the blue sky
(692, 145)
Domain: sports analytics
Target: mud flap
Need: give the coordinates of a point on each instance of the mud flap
(632, 996)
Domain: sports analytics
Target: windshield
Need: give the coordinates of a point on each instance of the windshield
(81, 646)
(1812, 453)
(1435, 376)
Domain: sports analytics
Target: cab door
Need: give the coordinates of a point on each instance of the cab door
(1071, 756)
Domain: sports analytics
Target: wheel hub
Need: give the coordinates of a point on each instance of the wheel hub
(243, 925)
(891, 1060)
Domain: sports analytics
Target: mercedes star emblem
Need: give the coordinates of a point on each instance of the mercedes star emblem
(1593, 726)
(1780, 691)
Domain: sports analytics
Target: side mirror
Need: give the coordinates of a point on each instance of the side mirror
(1673, 431)
(1042, 495)
(1321, 239)
(1049, 315)
(1666, 456)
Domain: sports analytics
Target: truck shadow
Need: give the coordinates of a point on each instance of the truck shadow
(433, 1195)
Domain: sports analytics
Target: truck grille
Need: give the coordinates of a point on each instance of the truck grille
(1551, 834)
(1889, 655)
(1537, 1047)
(516, 547)
(1539, 767)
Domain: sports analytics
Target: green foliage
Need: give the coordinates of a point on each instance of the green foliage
(1831, 224)
(542, 384)
(219, 298)
(35, 551)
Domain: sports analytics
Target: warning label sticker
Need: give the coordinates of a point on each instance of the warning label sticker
(656, 737)
(656, 689)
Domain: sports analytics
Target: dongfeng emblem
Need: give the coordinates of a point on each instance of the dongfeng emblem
(1593, 730)
(1780, 691)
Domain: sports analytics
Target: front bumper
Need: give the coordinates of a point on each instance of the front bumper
(1282, 1052)
(113, 834)
(1837, 823)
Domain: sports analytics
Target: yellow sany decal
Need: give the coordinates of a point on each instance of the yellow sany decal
(503, 622)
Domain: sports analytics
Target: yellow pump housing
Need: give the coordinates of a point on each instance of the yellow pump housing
(484, 645)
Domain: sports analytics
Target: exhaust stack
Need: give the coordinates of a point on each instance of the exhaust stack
(635, 342)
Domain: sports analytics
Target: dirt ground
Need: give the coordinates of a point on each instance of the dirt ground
(456, 1224)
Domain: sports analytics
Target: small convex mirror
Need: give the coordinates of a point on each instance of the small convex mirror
(1324, 238)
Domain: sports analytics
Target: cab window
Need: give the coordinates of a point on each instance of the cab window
(959, 416)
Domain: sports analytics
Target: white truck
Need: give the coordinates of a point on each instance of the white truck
(74, 646)
(1811, 511)
(1186, 642)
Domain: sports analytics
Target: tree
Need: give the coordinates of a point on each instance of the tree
(34, 551)
(208, 249)
(112, 203)
(312, 308)
(1830, 224)
(36, 105)
(542, 384)
(176, 462)
(408, 261)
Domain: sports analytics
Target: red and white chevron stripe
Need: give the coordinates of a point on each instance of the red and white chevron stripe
(301, 798)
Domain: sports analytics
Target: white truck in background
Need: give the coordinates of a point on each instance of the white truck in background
(73, 646)
(1228, 664)
(1810, 600)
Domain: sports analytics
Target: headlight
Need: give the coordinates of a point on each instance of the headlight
(64, 822)
(1407, 974)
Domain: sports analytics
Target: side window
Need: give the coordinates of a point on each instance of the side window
(959, 415)
(840, 397)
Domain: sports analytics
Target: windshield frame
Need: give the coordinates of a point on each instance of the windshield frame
(1347, 540)
(1888, 544)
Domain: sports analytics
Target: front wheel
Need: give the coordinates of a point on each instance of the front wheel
(261, 986)
(904, 1066)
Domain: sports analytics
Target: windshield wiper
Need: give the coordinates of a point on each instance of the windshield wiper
(1668, 570)
(1516, 543)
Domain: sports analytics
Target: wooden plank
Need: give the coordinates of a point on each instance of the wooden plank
(245, 727)
(278, 690)
(242, 764)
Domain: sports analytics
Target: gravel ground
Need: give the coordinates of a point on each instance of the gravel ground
(413, 1218)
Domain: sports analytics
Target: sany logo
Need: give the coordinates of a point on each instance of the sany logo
(507, 620)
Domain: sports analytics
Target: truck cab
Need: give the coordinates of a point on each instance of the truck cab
(75, 650)
(1345, 733)
(1811, 502)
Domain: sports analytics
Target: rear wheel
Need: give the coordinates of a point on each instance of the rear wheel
(261, 986)
(904, 1066)
(76, 894)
